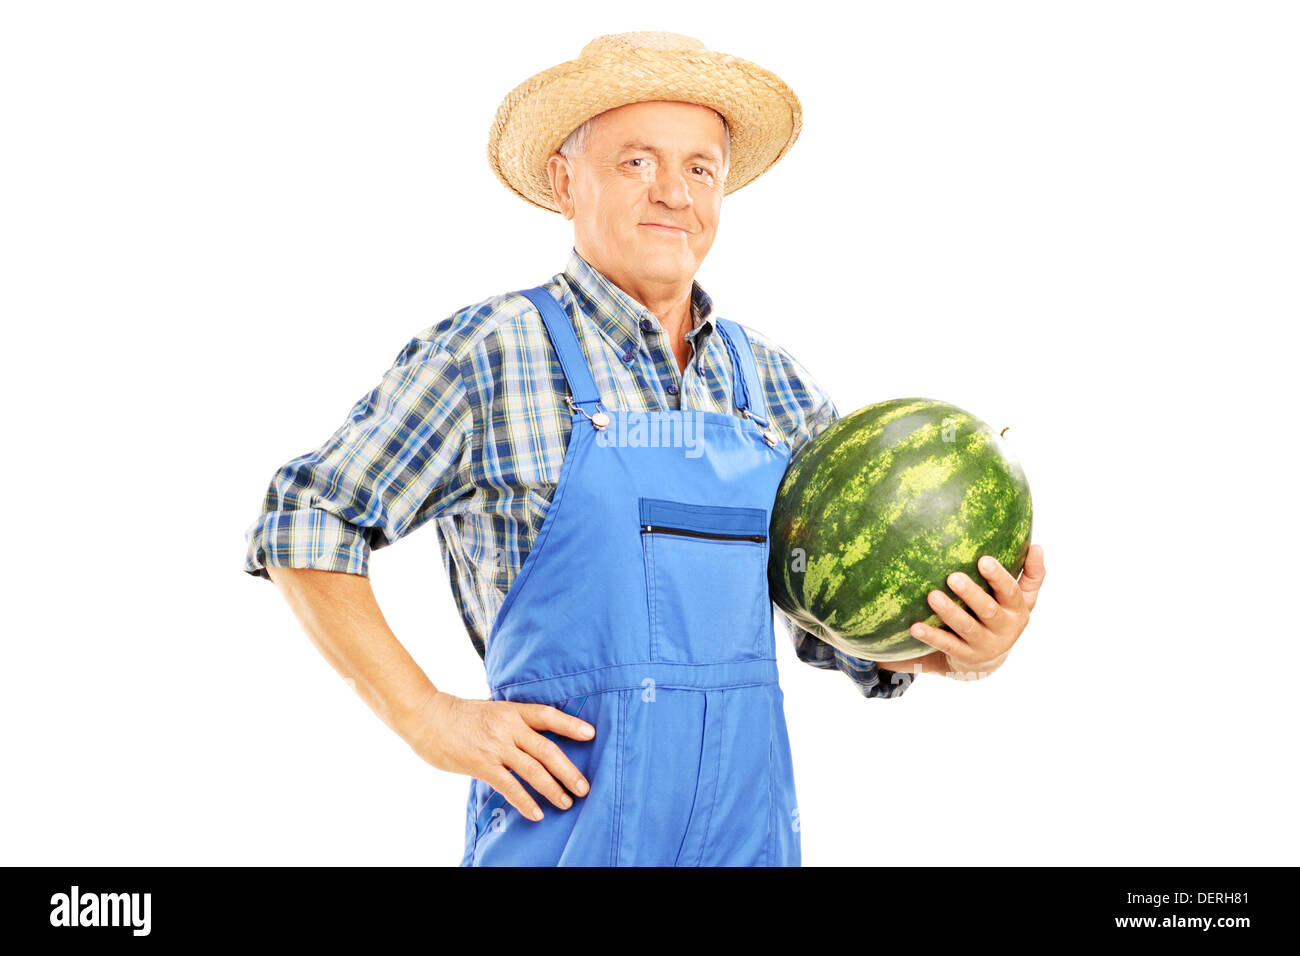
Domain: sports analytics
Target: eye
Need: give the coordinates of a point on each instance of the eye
(705, 170)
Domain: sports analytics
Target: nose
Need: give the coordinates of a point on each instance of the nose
(670, 188)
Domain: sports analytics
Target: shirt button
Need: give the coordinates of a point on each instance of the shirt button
(628, 356)
(646, 325)
(672, 389)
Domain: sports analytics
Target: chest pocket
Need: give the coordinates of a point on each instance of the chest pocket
(706, 581)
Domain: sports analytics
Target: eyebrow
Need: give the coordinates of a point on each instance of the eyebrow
(711, 154)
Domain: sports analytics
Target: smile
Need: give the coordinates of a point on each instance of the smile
(668, 229)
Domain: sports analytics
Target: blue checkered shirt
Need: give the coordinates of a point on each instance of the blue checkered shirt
(468, 429)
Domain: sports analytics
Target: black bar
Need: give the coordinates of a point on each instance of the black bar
(336, 904)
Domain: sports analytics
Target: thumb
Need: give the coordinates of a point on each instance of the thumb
(1032, 575)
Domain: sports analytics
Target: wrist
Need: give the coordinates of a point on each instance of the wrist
(959, 670)
(417, 716)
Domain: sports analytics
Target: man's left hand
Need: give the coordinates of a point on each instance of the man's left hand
(978, 647)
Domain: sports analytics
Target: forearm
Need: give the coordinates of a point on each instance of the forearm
(341, 616)
(936, 662)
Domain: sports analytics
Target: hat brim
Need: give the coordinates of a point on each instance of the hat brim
(538, 115)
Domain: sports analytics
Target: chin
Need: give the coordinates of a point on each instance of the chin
(664, 252)
(667, 267)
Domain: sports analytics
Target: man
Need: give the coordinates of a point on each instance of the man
(615, 586)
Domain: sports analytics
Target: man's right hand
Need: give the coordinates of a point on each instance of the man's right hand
(489, 738)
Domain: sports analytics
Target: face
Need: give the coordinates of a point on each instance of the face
(646, 195)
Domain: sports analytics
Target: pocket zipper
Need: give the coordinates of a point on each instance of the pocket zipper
(661, 529)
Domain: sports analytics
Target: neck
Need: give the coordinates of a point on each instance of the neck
(668, 301)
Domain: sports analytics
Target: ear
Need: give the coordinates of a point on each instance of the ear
(557, 168)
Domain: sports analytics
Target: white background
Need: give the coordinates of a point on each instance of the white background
(221, 222)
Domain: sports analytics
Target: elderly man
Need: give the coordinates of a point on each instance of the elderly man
(600, 455)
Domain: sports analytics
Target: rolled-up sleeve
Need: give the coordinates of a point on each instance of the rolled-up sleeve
(401, 457)
(870, 680)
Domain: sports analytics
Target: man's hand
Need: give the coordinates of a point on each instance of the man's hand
(980, 646)
(489, 738)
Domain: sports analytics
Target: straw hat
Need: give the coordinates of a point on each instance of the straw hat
(539, 114)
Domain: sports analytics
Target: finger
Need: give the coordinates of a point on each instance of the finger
(971, 631)
(976, 598)
(509, 787)
(555, 761)
(1031, 578)
(530, 768)
(546, 717)
(940, 640)
(1005, 587)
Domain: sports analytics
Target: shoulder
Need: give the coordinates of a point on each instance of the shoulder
(797, 405)
(476, 341)
(499, 320)
(785, 378)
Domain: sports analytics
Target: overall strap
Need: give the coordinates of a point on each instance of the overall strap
(748, 390)
(560, 329)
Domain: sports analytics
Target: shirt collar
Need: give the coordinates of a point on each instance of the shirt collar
(619, 315)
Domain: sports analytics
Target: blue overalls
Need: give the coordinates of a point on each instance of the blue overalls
(643, 608)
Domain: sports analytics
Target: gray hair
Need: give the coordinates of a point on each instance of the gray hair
(576, 142)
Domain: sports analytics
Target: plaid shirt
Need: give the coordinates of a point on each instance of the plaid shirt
(468, 429)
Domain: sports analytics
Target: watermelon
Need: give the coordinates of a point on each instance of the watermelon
(875, 512)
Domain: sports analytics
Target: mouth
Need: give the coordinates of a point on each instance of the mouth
(660, 227)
